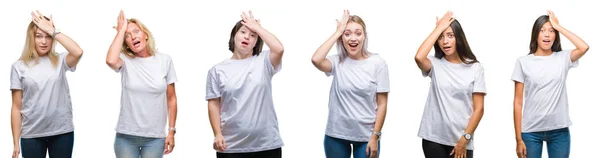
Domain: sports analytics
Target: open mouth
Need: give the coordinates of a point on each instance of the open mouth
(136, 43)
(546, 41)
(245, 43)
(446, 48)
(353, 45)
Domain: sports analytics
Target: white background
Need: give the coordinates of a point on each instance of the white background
(195, 34)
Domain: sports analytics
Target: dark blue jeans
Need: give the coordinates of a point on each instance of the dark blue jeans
(58, 146)
(558, 141)
(340, 148)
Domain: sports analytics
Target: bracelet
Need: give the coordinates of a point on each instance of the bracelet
(55, 32)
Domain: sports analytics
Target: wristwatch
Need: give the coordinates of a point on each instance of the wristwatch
(467, 136)
(172, 129)
(378, 134)
(55, 32)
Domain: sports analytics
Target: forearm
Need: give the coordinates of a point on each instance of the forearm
(214, 114)
(112, 56)
(271, 40)
(426, 46)
(380, 118)
(323, 50)
(71, 46)
(517, 121)
(16, 125)
(172, 106)
(576, 40)
(474, 121)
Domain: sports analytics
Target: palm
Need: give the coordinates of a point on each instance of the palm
(343, 21)
(553, 19)
(41, 21)
(250, 22)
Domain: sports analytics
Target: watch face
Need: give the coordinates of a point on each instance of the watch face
(468, 136)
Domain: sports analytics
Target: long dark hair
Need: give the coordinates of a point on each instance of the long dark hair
(535, 33)
(462, 46)
(259, 42)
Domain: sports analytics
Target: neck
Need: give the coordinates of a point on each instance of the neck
(237, 55)
(453, 58)
(542, 52)
(142, 54)
(357, 56)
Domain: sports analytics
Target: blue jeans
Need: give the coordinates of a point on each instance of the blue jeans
(58, 146)
(129, 146)
(340, 148)
(558, 141)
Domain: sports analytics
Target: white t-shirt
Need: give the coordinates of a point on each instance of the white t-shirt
(248, 119)
(450, 100)
(46, 103)
(353, 96)
(144, 84)
(546, 106)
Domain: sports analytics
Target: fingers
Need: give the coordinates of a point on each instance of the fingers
(223, 145)
(452, 152)
(250, 12)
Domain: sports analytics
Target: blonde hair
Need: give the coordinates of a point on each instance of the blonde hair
(150, 44)
(30, 53)
(342, 52)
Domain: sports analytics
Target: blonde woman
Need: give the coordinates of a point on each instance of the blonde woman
(148, 92)
(358, 95)
(41, 115)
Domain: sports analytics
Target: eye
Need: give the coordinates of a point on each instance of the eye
(38, 36)
(48, 37)
(243, 31)
(450, 36)
(359, 33)
(551, 31)
(253, 35)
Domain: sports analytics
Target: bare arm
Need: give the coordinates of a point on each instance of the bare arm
(477, 112)
(273, 42)
(421, 56)
(518, 109)
(382, 100)
(112, 57)
(214, 115)
(172, 106)
(319, 59)
(15, 116)
(580, 46)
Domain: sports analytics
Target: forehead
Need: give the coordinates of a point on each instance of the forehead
(547, 25)
(449, 30)
(39, 31)
(354, 26)
(132, 26)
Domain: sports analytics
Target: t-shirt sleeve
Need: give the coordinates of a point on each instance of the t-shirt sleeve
(65, 66)
(171, 75)
(567, 57)
(334, 59)
(479, 85)
(15, 78)
(213, 88)
(433, 61)
(125, 59)
(383, 79)
(518, 75)
(266, 55)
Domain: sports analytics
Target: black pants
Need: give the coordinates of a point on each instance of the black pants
(275, 153)
(436, 150)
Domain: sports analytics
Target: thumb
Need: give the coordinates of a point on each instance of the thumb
(452, 153)
(367, 151)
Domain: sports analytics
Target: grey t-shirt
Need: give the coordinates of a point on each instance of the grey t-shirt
(144, 84)
(449, 104)
(353, 96)
(46, 102)
(546, 106)
(248, 120)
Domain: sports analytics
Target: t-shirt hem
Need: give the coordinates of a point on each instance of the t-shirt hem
(142, 134)
(47, 134)
(247, 150)
(469, 147)
(15, 87)
(350, 138)
(212, 97)
(383, 90)
(545, 129)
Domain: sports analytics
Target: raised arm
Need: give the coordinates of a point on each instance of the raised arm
(319, 58)
(580, 46)
(112, 57)
(47, 25)
(421, 56)
(272, 42)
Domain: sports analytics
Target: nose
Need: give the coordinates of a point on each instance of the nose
(446, 40)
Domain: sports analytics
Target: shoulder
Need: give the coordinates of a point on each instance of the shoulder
(161, 55)
(377, 59)
(18, 64)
